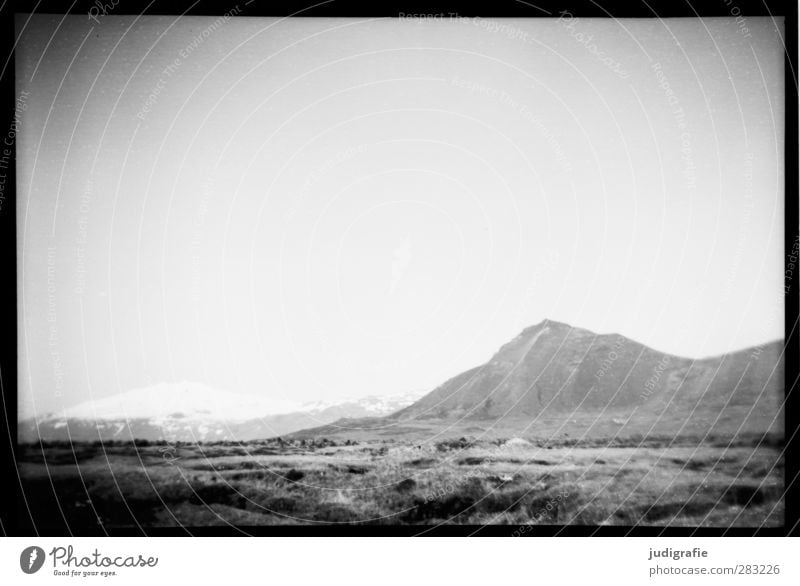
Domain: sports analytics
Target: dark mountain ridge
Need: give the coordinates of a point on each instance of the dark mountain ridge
(554, 373)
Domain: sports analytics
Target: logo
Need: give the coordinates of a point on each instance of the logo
(31, 559)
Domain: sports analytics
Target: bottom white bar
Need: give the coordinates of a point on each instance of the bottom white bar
(401, 561)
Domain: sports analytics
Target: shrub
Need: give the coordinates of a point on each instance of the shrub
(294, 475)
(406, 485)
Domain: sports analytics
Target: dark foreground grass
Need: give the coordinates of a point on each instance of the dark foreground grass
(88, 487)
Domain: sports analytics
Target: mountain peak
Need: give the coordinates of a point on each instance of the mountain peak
(548, 323)
(553, 327)
(554, 368)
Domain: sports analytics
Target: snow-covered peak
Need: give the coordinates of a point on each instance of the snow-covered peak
(379, 405)
(191, 401)
(178, 400)
(194, 412)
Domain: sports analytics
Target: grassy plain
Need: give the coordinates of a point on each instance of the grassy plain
(89, 488)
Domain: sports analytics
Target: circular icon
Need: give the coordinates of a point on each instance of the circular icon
(31, 559)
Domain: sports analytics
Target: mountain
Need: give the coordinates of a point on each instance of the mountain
(554, 378)
(554, 368)
(193, 412)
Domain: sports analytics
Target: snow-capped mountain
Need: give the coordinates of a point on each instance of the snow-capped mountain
(190, 412)
(369, 405)
(181, 400)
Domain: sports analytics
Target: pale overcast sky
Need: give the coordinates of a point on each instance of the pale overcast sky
(323, 208)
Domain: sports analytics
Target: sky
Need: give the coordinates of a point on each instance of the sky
(312, 209)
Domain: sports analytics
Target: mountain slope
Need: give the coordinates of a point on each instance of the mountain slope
(553, 368)
(556, 378)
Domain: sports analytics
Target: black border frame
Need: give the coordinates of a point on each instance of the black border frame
(10, 506)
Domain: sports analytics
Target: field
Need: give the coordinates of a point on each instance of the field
(94, 487)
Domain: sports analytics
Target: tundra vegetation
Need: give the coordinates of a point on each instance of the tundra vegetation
(656, 481)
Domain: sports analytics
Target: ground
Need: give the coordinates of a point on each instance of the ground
(510, 482)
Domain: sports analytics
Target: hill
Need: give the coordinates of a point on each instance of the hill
(554, 378)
